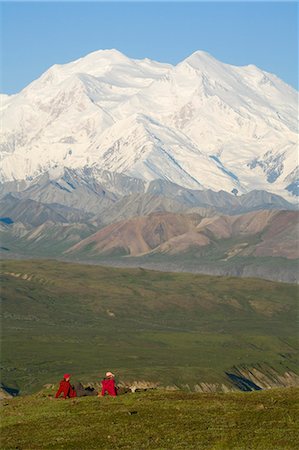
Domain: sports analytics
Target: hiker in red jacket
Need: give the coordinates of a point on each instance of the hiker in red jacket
(66, 388)
(108, 385)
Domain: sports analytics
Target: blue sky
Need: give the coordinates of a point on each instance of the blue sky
(37, 35)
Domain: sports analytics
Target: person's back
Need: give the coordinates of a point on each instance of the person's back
(108, 385)
(65, 388)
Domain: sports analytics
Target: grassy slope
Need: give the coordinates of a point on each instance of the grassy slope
(172, 328)
(52, 241)
(163, 420)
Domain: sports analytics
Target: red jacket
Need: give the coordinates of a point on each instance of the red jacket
(65, 387)
(108, 384)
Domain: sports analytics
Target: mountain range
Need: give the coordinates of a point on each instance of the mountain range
(200, 124)
(169, 233)
(260, 243)
(135, 162)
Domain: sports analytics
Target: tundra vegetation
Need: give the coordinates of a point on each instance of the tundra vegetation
(175, 329)
(159, 420)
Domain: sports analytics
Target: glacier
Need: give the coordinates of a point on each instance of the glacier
(200, 124)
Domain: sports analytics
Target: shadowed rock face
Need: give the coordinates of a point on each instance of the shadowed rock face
(7, 392)
(261, 377)
(249, 379)
(242, 383)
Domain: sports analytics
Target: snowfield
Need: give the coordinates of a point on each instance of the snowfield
(201, 124)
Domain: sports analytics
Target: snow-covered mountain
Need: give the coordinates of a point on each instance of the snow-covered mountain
(201, 124)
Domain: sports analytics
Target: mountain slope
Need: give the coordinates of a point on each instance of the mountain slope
(48, 238)
(136, 236)
(146, 325)
(260, 243)
(201, 124)
(31, 212)
(108, 196)
(274, 233)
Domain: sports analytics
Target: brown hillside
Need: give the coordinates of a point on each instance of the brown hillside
(276, 233)
(225, 227)
(138, 235)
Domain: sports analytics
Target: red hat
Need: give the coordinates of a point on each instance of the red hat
(66, 375)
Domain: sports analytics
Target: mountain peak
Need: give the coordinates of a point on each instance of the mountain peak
(112, 54)
(199, 59)
(200, 54)
(101, 58)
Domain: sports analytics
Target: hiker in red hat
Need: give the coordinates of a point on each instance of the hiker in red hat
(108, 385)
(66, 388)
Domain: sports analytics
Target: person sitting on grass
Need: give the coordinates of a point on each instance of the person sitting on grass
(108, 385)
(66, 388)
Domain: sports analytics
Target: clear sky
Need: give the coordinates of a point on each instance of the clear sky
(37, 35)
